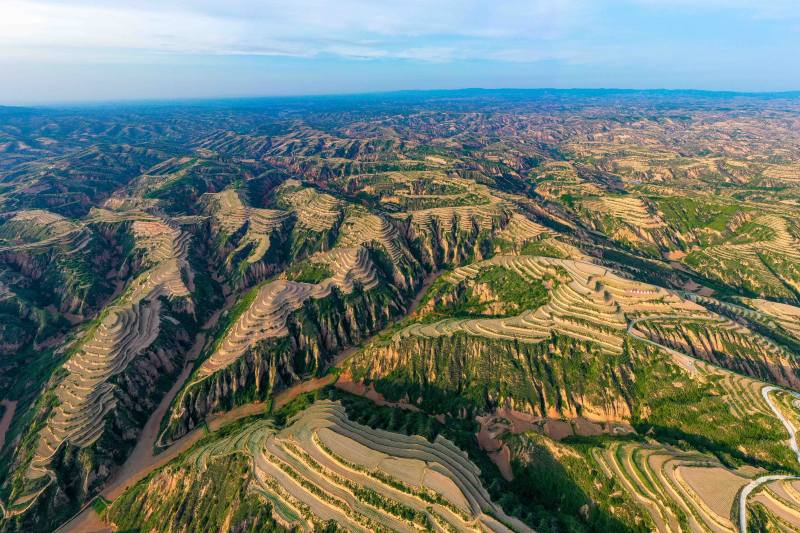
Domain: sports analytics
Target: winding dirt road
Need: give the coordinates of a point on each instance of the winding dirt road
(750, 487)
(688, 362)
(142, 462)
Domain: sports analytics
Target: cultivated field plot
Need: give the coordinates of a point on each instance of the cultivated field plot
(606, 281)
(325, 467)
(629, 219)
(38, 228)
(315, 211)
(724, 343)
(588, 302)
(470, 210)
(689, 491)
(780, 500)
(591, 303)
(232, 216)
(681, 491)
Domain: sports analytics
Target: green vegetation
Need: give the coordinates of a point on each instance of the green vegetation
(523, 497)
(691, 214)
(476, 374)
(564, 479)
(494, 292)
(100, 506)
(542, 248)
(509, 287)
(761, 520)
(133, 225)
(196, 502)
(228, 319)
(569, 200)
(308, 272)
(690, 414)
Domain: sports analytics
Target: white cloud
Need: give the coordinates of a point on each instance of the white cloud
(756, 9)
(412, 29)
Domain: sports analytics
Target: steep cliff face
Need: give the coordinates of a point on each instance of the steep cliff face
(454, 235)
(74, 284)
(460, 374)
(216, 498)
(248, 242)
(730, 346)
(661, 238)
(316, 333)
(453, 245)
(43, 285)
(566, 479)
(243, 272)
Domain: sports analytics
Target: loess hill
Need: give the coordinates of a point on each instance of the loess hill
(457, 311)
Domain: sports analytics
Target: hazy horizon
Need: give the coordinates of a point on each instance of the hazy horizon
(248, 99)
(55, 51)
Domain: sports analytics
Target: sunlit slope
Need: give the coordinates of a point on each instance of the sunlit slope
(324, 467)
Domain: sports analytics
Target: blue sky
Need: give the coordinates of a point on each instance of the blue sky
(83, 50)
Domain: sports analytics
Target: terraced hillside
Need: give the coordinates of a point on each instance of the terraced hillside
(787, 317)
(680, 490)
(288, 329)
(537, 310)
(246, 234)
(631, 220)
(324, 467)
(580, 307)
(761, 259)
(111, 371)
(484, 368)
(55, 271)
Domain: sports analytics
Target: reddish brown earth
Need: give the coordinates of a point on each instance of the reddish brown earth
(558, 429)
(8, 414)
(346, 383)
(675, 255)
(287, 395)
(520, 422)
(141, 460)
(490, 440)
(502, 458)
(87, 522)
